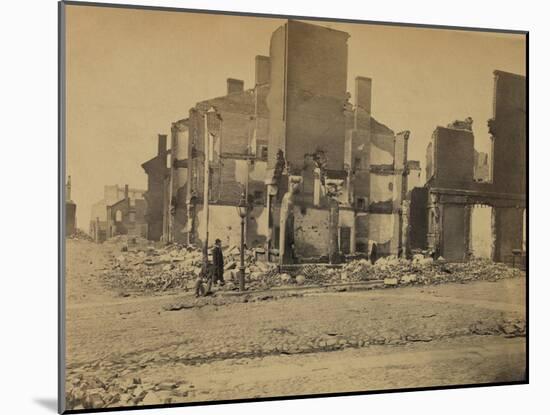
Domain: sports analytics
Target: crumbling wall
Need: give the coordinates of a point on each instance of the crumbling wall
(382, 143)
(239, 127)
(311, 231)
(229, 177)
(381, 187)
(429, 162)
(454, 247)
(454, 157)
(414, 178)
(276, 96)
(157, 173)
(155, 205)
(227, 180)
(347, 227)
(381, 230)
(316, 77)
(257, 227)
(358, 156)
(362, 232)
(418, 220)
(178, 181)
(180, 216)
(256, 182)
(225, 224)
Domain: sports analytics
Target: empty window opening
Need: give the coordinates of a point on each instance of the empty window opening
(263, 152)
(481, 231)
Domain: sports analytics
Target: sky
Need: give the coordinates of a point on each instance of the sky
(131, 73)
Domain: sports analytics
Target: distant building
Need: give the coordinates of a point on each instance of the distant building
(70, 210)
(120, 212)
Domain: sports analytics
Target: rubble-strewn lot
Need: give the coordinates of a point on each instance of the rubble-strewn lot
(169, 348)
(147, 269)
(79, 234)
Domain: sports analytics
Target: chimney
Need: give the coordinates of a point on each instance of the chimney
(234, 86)
(162, 144)
(263, 69)
(363, 91)
(126, 191)
(68, 195)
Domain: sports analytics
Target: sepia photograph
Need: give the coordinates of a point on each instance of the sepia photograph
(263, 207)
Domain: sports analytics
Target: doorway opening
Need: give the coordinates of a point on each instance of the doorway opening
(481, 231)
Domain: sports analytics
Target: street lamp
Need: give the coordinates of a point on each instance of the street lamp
(242, 209)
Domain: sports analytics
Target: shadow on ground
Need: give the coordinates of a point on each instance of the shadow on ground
(48, 403)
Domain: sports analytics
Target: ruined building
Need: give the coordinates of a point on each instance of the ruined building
(156, 196)
(120, 212)
(237, 159)
(320, 174)
(475, 207)
(70, 210)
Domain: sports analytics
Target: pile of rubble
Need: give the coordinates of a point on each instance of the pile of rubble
(395, 271)
(142, 267)
(151, 269)
(80, 235)
(90, 392)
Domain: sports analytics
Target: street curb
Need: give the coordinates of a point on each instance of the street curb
(354, 285)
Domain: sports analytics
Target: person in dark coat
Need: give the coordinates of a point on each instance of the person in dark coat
(373, 253)
(217, 260)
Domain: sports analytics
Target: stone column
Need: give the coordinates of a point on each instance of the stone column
(334, 213)
(353, 235)
(405, 212)
(316, 187)
(467, 232)
(271, 194)
(507, 225)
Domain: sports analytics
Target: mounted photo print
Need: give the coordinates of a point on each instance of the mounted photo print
(258, 207)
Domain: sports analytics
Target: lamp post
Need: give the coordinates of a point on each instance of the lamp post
(242, 209)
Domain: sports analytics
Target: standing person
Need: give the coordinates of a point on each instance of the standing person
(373, 253)
(217, 259)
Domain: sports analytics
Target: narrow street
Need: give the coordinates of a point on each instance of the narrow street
(169, 348)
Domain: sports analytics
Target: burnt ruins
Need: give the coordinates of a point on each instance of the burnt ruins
(323, 178)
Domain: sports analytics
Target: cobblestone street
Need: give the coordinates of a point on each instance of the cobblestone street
(124, 350)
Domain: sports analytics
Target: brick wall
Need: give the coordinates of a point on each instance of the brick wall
(509, 129)
(454, 157)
